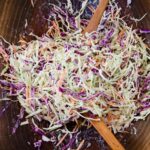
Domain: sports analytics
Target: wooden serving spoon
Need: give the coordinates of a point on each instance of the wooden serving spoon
(95, 20)
(100, 125)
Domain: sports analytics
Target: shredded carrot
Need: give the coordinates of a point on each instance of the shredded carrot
(61, 79)
(56, 26)
(75, 128)
(28, 94)
(111, 117)
(80, 145)
(119, 95)
(89, 43)
(22, 41)
(61, 140)
(121, 34)
(92, 9)
(111, 103)
(71, 112)
(50, 30)
(14, 48)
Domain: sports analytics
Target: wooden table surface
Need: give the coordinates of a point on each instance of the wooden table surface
(13, 15)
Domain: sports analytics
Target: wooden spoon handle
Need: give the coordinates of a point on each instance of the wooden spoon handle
(95, 20)
(107, 135)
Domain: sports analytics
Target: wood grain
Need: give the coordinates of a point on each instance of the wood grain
(13, 14)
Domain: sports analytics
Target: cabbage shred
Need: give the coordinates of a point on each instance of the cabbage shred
(64, 75)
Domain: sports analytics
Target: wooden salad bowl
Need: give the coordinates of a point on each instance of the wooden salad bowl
(15, 16)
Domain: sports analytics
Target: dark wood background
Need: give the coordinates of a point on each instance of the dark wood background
(13, 14)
